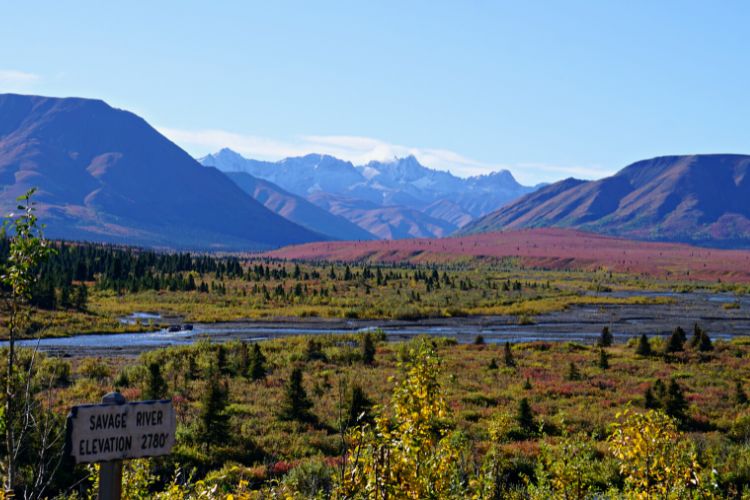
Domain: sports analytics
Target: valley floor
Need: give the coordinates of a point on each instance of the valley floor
(601, 363)
(656, 315)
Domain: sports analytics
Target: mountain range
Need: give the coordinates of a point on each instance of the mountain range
(394, 199)
(297, 209)
(390, 222)
(104, 174)
(700, 199)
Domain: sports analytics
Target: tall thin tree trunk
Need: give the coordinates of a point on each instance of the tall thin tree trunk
(10, 469)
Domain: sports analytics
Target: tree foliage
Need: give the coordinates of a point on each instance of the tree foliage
(368, 349)
(257, 369)
(508, 356)
(644, 346)
(655, 459)
(213, 418)
(296, 405)
(410, 451)
(25, 251)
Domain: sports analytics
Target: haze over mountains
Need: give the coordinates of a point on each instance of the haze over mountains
(104, 174)
(297, 209)
(395, 199)
(702, 199)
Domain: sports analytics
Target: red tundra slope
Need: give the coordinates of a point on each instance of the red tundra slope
(549, 248)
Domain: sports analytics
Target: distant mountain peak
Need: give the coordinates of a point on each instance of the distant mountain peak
(399, 182)
(229, 152)
(503, 176)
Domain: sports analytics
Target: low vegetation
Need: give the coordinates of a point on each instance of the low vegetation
(90, 288)
(330, 416)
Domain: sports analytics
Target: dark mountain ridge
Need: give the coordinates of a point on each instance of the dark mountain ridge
(702, 199)
(297, 209)
(104, 174)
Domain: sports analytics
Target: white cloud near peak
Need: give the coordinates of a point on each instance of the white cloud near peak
(11, 79)
(361, 150)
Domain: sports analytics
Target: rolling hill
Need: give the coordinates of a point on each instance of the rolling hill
(701, 199)
(105, 174)
(546, 248)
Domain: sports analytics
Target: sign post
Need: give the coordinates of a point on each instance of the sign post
(116, 430)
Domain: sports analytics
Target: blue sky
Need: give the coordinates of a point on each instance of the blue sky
(546, 89)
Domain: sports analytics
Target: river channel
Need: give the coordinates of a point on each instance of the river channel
(577, 324)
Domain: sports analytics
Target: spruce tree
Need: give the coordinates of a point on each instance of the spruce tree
(527, 385)
(156, 386)
(740, 396)
(649, 400)
(603, 359)
(676, 341)
(296, 405)
(65, 300)
(573, 373)
(43, 294)
(191, 370)
(213, 419)
(190, 285)
(644, 346)
(660, 391)
(606, 338)
(359, 407)
(508, 356)
(479, 340)
(705, 343)
(679, 331)
(368, 349)
(314, 350)
(525, 416)
(697, 334)
(243, 360)
(492, 365)
(675, 404)
(221, 360)
(81, 297)
(257, 369)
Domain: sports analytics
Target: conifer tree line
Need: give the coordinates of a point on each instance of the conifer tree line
(63, 276)
(66, 278)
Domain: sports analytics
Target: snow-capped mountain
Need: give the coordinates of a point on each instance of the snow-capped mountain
(302, 175)
(400, 182)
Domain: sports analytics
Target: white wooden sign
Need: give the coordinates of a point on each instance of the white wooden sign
(104, 432)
